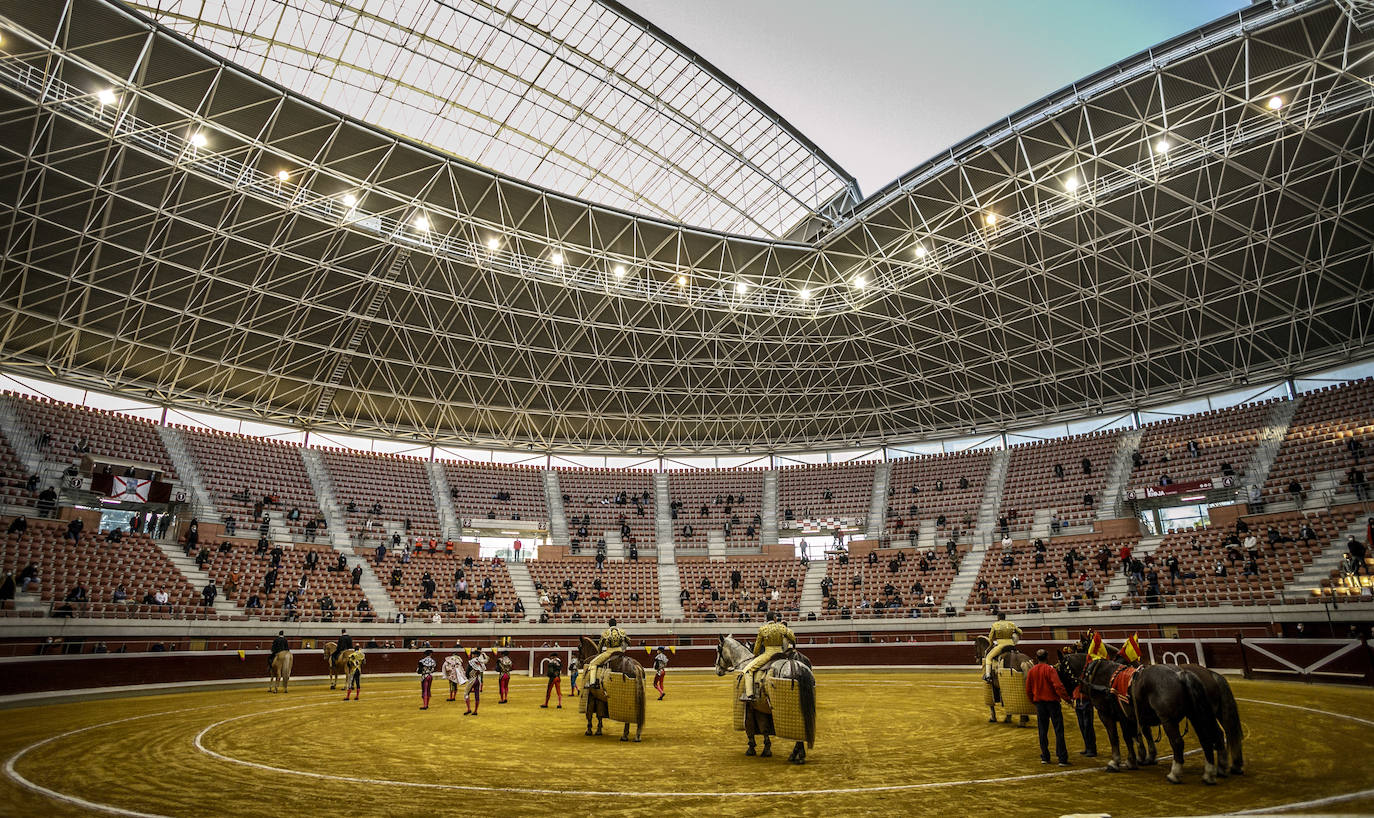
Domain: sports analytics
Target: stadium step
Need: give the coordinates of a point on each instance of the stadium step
(449, 524)
(320, 481)
(188, 471)
(1118, 474)
(663, 518)
(811, 600)
(1117, 586)
(615, 546)
(1271, 439)
(669, 587)
(715, 546)
(195, 576)
(22, 440)
(558, 520)
(877, 501)
(769, 513)
(1309, 580)
(991, 503)
(523, 584)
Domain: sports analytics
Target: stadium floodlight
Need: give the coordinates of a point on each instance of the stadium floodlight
(991, 219)
(860, 282)
(350, 201)
(106, 96)
(742, 287)
(619, 271)
(805, 294)
(493, 244)
(1162, 147)
(282, 176)
(421, 223)
(1275, 103)
(1071, 184)
(682, 281)
(921, 251)
(556, 257)
(198, 140)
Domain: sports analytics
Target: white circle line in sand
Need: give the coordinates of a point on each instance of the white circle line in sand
(13, 774)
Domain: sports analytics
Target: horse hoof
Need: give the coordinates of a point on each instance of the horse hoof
(798, 761)
(588, 733)
(766, 754)
(1212, 782)
(623, 738)
(1112, 768)
(636, 740)
(1173, 779)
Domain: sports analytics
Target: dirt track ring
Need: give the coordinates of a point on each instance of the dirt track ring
(204, 743)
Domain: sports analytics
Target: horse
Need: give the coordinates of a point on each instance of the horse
(280, 670)
(337, 662)
(598, 704)
(1230, 756)
(1161, 695)
(1012, 659)
(731, 654)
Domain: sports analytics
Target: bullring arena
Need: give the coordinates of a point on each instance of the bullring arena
(398, 347)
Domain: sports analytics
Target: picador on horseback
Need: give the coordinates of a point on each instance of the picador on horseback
(1003, 635)
(774, 638)
(613, 641)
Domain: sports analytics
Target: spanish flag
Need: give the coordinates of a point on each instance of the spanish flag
(1097, 650)
(1131, 650)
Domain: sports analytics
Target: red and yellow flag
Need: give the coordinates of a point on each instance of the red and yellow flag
(1131, 650)
(1097, 650)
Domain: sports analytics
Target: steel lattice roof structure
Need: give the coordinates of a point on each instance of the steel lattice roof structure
(180, 226)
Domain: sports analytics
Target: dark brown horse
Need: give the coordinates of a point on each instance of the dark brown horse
(731, 654)
(597, 703)
(1012, 659)
(1230, 756)
(1162, 695)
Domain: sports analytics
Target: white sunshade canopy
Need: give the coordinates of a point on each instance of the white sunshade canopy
(575, 96)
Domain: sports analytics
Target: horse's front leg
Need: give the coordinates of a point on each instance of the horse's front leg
(1130, 736)
(1149, 753)
(767, 746)
(992, 714)
(639, 729)
(1113, 766)
(625, 736)
(590, 714)
(798, 754)
(600, 721)
(749, 733)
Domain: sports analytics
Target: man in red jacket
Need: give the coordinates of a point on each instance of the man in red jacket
(1044, 688)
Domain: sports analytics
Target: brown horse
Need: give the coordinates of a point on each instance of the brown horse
(280, 670)
(1162, 695)
(1012, 659)
(1230, 756)
(597, 703)
(731, 654)
(337, 662)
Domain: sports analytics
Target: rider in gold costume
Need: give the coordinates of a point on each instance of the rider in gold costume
(1003, 635)
(774, 638)
(613, 640)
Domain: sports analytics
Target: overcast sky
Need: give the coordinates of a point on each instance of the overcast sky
(883, 85)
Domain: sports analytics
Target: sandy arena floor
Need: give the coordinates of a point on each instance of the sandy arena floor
(896, 743)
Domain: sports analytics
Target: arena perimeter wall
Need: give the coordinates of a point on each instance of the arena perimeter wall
(1349, 661)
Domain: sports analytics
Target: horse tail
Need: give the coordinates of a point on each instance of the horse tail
(639, 696)
(806, 697)
(1228, 714)
(1200, 712)
(286, 666)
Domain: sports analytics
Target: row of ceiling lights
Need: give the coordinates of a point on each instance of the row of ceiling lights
(421, 222)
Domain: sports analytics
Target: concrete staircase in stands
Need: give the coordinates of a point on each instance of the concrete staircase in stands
(320, 481)
(991, 503)
(1118, 474)
(1271, 439)
(877, 501)
(1310, 579)
(558, 520)
(524, 588)
(669, 586)
(663, 518)
(449, 524)
(811, 599)
(197, 577)
(1118, 587)
(202, 504)
(769, 514)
